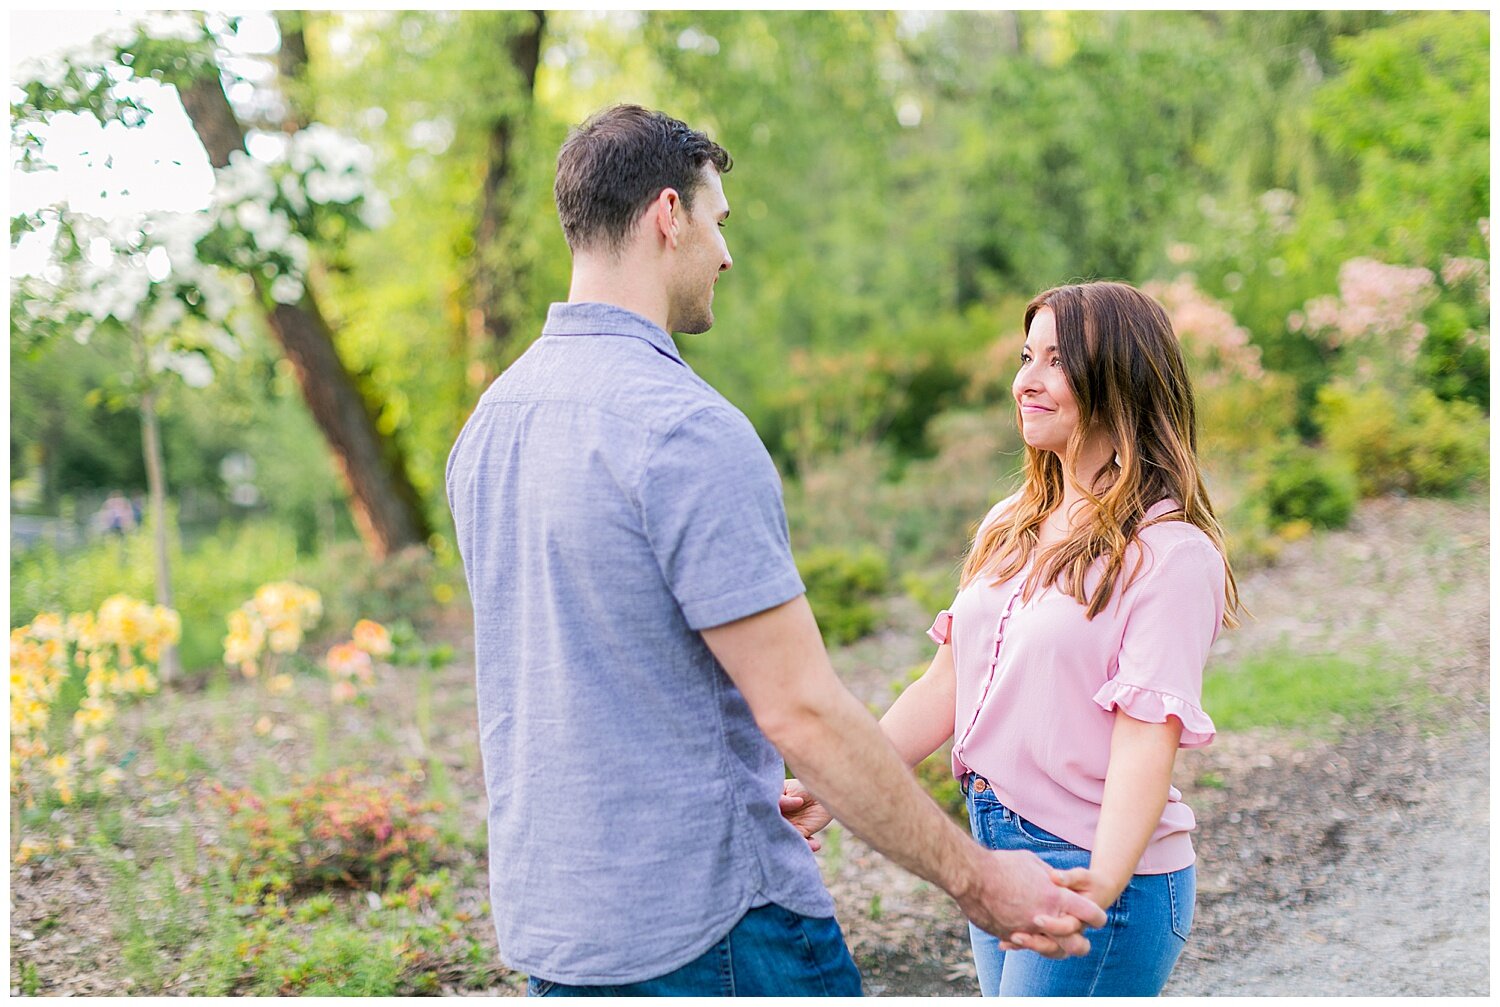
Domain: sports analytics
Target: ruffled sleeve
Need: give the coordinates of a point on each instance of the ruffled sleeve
(942, 627)
(1173, 615)
(1153, 707)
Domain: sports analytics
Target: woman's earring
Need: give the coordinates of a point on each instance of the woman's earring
(1117, 460)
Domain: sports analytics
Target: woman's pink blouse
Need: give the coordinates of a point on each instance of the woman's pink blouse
(1038, 684)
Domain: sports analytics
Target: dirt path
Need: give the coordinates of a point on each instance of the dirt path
(1357, 866)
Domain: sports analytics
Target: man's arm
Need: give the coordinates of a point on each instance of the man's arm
(777, 660)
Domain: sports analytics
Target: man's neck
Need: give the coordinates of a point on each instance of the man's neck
(595, 283)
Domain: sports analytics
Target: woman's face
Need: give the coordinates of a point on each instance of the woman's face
(1049, 411)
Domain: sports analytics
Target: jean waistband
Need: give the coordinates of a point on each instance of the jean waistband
(974, 782)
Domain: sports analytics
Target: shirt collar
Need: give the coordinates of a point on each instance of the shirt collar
(1163, 506)
(592, 318)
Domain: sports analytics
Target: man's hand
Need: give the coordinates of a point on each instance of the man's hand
(805, 811)
(1014, 897)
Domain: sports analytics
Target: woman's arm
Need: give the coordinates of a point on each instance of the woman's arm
(1135, 792)
(917, 724)
(921, 718)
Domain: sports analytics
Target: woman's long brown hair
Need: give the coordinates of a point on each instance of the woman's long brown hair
(1125, 368)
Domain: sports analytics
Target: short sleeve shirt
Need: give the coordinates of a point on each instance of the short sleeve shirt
(609, 504)
(1038, 682)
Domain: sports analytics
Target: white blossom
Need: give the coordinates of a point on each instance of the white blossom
(286, 289)
(166, 314)
(376, 211)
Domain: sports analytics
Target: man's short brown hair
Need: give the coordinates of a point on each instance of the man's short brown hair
(617, 162)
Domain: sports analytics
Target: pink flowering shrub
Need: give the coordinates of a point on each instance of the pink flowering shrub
(1217, 348)
(1241, 407)
(1376, 318)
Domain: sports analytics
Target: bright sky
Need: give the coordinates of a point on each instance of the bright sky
(113, 171)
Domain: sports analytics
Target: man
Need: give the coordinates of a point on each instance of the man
(642, 642)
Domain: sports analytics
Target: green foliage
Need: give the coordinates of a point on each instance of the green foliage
(935, 774)
(1454, 360)
(1409, 116)
(30, 983)
(1423, 445)
(1300, 483)
(1313, 691)
(932, 591)
(841, 588)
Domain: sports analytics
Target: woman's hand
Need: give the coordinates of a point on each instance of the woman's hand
(1091, 884)
(805, 811)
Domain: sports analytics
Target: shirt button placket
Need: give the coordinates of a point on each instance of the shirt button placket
(994, 663)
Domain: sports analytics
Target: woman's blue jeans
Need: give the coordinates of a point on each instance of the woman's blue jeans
(1131, 955)
(770, 952)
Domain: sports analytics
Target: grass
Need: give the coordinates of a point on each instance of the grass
(1320, 693)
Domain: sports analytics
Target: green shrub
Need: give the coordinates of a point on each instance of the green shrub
(935, 773)
(1302, 484)
(1455, 358)
(841, 588)
(932, 591)
(1423, 445)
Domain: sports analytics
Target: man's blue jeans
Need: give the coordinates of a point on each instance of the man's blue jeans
(770, 952)
(1131, 955)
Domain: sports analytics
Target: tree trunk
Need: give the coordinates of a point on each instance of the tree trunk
(490, 325)
(156, 483)
(386, 507)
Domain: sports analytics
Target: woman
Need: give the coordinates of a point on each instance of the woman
(1070, 664)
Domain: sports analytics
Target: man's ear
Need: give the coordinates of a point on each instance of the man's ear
(666, 215)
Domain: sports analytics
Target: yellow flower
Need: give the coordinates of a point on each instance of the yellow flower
(110, 778)
(83, 629)
(47, 626)
(279, 685)
(138, 680)
(247, 634)
(372, 638)
(263, 726)
(29, 850)
(166, 626)
(92, 715)
(95, 747)
(122, 620)
(286, 637)
(58, 765)
(28, 715)
(65, 791)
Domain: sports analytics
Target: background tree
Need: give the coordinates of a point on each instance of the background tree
(385, 506)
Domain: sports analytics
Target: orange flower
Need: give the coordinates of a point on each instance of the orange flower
(347, 661)
(372, 638)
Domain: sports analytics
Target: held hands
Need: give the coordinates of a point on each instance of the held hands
(1019, 898)
(1014, 894)
(1091, 884)
(805, 811)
